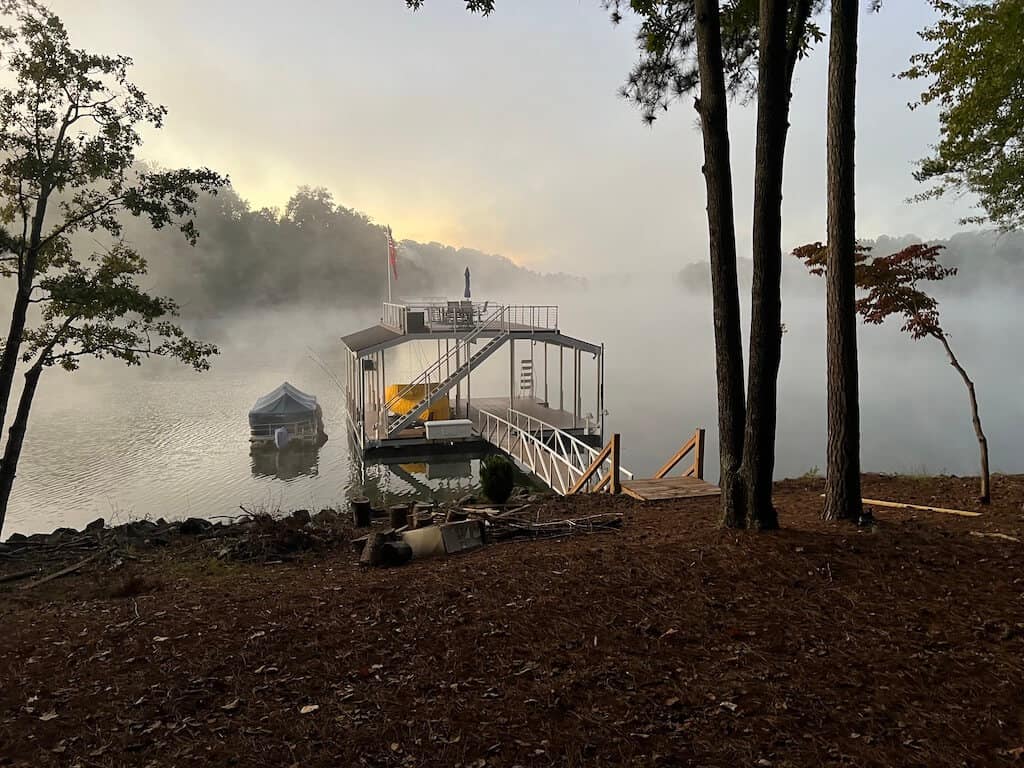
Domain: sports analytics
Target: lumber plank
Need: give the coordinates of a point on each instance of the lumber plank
(923, 507)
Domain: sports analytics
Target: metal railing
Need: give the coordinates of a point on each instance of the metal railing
(542, 317)
(440, 314)
(556, 457)
(304, 428)
(394, 316)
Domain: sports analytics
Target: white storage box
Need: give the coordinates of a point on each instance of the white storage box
(453, 429)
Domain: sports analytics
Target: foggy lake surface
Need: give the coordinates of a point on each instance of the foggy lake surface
(161, 441)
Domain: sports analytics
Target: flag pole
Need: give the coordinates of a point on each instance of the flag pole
(387, 260)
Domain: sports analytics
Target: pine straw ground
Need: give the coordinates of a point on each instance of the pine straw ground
(669, 643)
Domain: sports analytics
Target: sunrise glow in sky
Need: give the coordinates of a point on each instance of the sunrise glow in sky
(504, 133)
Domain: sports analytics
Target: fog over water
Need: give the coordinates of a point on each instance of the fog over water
(161, 441)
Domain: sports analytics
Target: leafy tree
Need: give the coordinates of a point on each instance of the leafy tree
(891, 287)
(69, 129)
(978, 82)
(94, 309)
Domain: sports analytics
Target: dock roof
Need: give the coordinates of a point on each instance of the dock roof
(369, 338)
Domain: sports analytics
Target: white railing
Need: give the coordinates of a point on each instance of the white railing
(556, 457)
(539, 316)
(304, 428)
(461, 315)
(394, 316)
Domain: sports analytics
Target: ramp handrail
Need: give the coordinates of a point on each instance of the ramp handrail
(583, 453)
(563, 466)
(695, 444)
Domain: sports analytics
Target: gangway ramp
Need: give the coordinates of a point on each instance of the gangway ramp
(569, 466)
(561, 460)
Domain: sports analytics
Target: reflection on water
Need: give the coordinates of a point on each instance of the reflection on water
(293, 462)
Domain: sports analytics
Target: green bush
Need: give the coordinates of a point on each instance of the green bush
(497, 477)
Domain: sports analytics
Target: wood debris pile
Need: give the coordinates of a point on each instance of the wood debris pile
(438, 531)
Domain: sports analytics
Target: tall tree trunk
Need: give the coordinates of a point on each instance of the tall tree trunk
(713, 108)
(12, 349)
(766, 296)
(16, 438)
(22, 299)
(842, 477)
(986, 493)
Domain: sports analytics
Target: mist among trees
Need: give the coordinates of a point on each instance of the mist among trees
(316, 252)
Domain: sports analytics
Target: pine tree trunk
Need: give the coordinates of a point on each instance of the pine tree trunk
(766, 295)
(713, 108)
(16, 438)
(986, 492)
(842, 476)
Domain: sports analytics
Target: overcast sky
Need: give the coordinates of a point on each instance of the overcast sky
(502, 133)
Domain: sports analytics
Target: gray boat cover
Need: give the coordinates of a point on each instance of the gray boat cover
(285, 404)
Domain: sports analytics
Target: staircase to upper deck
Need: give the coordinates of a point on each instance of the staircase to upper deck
(496, 323)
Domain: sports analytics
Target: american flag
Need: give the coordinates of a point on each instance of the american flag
(392, 253)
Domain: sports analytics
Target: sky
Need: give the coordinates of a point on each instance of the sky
(504, 133)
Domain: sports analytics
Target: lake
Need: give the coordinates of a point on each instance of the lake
(160, 441)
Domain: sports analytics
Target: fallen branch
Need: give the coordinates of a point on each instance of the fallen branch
(18, 575)
(995, 535)
(64, 572)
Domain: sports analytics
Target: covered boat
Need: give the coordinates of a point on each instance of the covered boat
(284, 416)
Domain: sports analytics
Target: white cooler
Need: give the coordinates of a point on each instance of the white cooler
(453, 429)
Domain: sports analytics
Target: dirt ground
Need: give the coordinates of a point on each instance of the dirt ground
(669, 643)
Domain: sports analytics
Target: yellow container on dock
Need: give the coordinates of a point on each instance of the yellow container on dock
(439, 411)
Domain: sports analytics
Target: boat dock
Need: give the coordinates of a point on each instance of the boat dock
(550, 419)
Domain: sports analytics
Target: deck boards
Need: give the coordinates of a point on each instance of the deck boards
(657, 489)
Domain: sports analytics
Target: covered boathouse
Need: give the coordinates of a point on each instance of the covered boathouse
(441, 408)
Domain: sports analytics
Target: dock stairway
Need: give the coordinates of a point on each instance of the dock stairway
(435, 390)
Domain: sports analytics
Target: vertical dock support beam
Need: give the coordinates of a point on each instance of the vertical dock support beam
(511, 372)
(561, 377)
(546, 375)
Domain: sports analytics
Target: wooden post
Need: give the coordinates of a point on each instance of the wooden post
(698, 454)
(616, 482)
(600, 404)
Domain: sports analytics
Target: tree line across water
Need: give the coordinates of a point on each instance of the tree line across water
(313, 252)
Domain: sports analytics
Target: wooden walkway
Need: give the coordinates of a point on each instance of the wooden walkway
(661, 488)
(689, 485)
